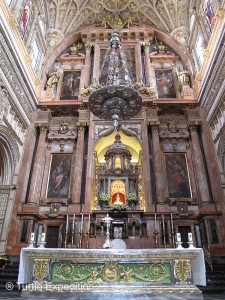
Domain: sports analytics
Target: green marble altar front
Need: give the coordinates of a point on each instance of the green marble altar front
(124, 273)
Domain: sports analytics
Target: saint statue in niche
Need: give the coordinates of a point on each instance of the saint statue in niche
(118, 201)
(183, 76)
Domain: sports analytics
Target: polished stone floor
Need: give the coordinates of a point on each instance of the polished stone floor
(11, 295)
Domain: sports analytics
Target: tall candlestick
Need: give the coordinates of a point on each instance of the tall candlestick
(178, 236)
(89, 222)
(67, 223)
(82, 223)
(67, 226)
(81, 230)
(155, 223)
(171, 218)
(190, 239)
(73, 227)
(163, 222)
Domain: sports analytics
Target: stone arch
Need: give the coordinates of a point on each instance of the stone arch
(9, 156)
(75, 36)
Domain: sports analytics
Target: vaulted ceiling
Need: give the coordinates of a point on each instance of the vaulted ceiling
(67, 16)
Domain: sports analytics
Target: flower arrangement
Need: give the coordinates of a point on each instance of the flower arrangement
(104, 197)
(132, 198)
(117, 207)
(103, 200)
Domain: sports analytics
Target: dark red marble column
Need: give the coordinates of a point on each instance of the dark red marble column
(77, 179)
(146, 168)
(35, 186)
(199, 166)
(23, 179)
(157, 158)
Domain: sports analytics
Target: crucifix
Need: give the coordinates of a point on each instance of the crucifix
(107, 220)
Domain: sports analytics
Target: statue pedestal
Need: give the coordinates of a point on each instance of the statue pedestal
(187, 92)
(106, 273)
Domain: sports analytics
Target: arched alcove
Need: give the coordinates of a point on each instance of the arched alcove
(9, 156)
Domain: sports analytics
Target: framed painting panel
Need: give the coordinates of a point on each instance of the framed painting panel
(70, 85)
(59, 176)
(177, 175)
(165, 83)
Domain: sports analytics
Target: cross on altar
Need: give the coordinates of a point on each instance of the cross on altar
(107, 220)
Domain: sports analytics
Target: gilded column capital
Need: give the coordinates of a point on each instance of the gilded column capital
(154, 126)
(88, 46)
(43, 127)
(146, 45)
(81, 127)
(193, 126)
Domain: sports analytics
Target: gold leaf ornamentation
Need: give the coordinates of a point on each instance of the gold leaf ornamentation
(182, 269)
(40, 268)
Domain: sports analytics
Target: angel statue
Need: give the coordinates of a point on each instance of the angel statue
(183, 76)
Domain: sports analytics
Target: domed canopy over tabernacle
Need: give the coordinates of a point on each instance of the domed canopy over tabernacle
(118, 148)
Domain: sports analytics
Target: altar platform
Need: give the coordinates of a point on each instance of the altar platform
(106, 273)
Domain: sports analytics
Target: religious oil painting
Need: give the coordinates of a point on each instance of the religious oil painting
(104, 63)
(59, 176)
(70, 85)
(165, 83)
(177, 175)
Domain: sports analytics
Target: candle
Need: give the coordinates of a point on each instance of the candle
(171, 217)
(67, 223)
(82, 222)
(178, 237)
(163, 222)
(89, 222)
(74, 222)
(43, 237)
(32, 237)
(155, 223)
(190, 237)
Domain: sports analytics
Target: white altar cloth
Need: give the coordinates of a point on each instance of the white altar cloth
(197, 263)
